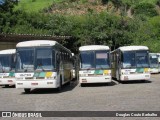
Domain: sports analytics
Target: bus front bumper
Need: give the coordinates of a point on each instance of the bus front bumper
(95, 79)
(7, 81)
(145, 76)
(37, 84)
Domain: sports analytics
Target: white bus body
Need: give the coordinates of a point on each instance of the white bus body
(42, 64)
(130, 63)
(154, 64)
(94, 64)
(7, 67)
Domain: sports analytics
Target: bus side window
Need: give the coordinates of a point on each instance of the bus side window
(13, 61)
(58, 60)
(117, 58)
(53, 58)
(112, 60)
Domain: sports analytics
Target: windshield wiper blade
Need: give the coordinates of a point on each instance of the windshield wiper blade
(87, 68)
(42, 68)
(27, 68)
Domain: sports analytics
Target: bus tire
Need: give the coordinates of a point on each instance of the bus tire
(6, 86)
(82, 85)
(60, 84)
(143, 81)
(27, 90)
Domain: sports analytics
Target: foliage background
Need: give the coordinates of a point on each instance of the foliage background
(120, 23)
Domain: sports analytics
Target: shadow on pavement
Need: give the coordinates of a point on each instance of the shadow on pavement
(135, 82)
(8, 86)
(98, 84)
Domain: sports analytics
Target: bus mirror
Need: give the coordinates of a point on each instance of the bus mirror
(112, 64)
(117, 57)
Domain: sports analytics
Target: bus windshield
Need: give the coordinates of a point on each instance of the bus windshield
(128, 59)
(142, 59)
(30, 59)
(44, 59)
(25, 59)
(132, 59)
(5, 63)
(87, 59)
(95, 59)
(153, 61)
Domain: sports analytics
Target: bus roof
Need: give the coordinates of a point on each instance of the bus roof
(130, 48)
(93, 47)
(35, 43)
(8, 51)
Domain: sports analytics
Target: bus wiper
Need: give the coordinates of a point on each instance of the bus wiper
(128, 66)
(26, 69)
(88, 68)
(100, 67)
(141, 64)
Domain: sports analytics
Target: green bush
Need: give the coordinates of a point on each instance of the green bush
(146, 9)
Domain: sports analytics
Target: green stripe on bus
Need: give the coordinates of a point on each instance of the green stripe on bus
(140, 70)
(42, 74)
(11, 74)
(98, 72)
(36, 74)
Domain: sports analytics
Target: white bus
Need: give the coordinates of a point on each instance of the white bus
(94, 64)
(42, 64)
(130, 63)
(7, 67)
(154, 64)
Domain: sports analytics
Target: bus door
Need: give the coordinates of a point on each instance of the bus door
(117, 66)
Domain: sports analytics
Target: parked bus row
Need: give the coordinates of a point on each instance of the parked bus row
(48, 64)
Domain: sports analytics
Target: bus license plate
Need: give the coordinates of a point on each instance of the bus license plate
(34, 83)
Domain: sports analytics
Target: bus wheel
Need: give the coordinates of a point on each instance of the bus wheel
(6, 86)
(143, 81)
(27, 90)
(82, 85)
(60, 86)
